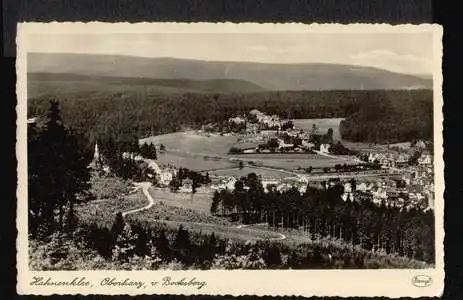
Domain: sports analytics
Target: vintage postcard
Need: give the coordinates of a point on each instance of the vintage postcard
(230, 159)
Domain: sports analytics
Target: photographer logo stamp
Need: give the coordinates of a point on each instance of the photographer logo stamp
(422, 280)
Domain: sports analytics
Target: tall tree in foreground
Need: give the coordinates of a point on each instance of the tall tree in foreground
(57, 173)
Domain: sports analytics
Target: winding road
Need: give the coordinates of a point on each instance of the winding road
(145, 188)
(279, 238)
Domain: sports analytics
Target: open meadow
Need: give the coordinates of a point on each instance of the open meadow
(192, 161)
(200, 201)
(209, 152)
(103, 212)
(294, 161)
(238, 172)
(194, 142)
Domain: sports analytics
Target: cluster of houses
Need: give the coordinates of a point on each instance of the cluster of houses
(261, 121)
(403, 191)
(163, 175)
(270, 121)
(281, 185)
(268, 128)
(398, 158)
(388, 159)
(406, 191)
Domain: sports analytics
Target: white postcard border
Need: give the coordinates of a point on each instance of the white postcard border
(368, 283)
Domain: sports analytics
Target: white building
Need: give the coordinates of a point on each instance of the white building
(225, 184)
(284, 187)
(237, 120)
(379, 195)
(165, 177)
(268, 183)
(230, 183)
(32, 121)
(187, 186)
(307, 145)
(302, 188)
(325, 148)
(420, 144)
(347, 196)
(347, 187)
(282, 145)
(363, 187)
(425, 159)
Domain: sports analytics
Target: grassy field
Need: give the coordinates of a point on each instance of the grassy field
(199, 201)
(221, 230)
(163, 212)
(293, 161)
(193, 142)
(246, 170)
(203, 152)
(193, 162)
(103, 211)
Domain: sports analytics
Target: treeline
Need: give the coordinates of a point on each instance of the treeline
(128, 116)
(132, 245)
(323, 213)
(57, 174)
(395, 117)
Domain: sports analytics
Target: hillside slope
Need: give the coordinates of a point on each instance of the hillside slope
(306, 76)
(58, 84)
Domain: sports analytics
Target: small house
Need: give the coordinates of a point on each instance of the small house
(230, 183)
(187, 185)
(165, 177)
(324, 148)
(425, 159)
(237, 120)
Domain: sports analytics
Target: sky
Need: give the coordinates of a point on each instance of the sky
(410, 53)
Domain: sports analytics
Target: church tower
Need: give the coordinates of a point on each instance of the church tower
(96, 162)
(96, 154)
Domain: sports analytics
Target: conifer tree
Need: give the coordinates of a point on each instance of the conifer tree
(182, 245)
(71, 221)
(162, 244)
(124, 247)
(118, 225)
(58, 171)
(272, 256)
(215, 202)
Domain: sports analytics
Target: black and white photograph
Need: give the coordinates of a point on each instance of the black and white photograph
(229, 149)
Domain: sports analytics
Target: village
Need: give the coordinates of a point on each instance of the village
(263, 133)
(397, 178)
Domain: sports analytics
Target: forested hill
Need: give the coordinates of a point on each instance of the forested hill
(404, 117)
(39, 84)
(127, 116)
(303, 76)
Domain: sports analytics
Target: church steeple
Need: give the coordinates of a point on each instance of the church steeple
(96, 154)
(96, 162)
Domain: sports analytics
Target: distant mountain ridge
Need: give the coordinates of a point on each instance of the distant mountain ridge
(303, 76)
(56, 83)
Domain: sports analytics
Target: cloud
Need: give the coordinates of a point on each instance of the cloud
(384, 55)
(387, 59)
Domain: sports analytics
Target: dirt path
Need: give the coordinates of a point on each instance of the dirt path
(281, 236)
(144, 186)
